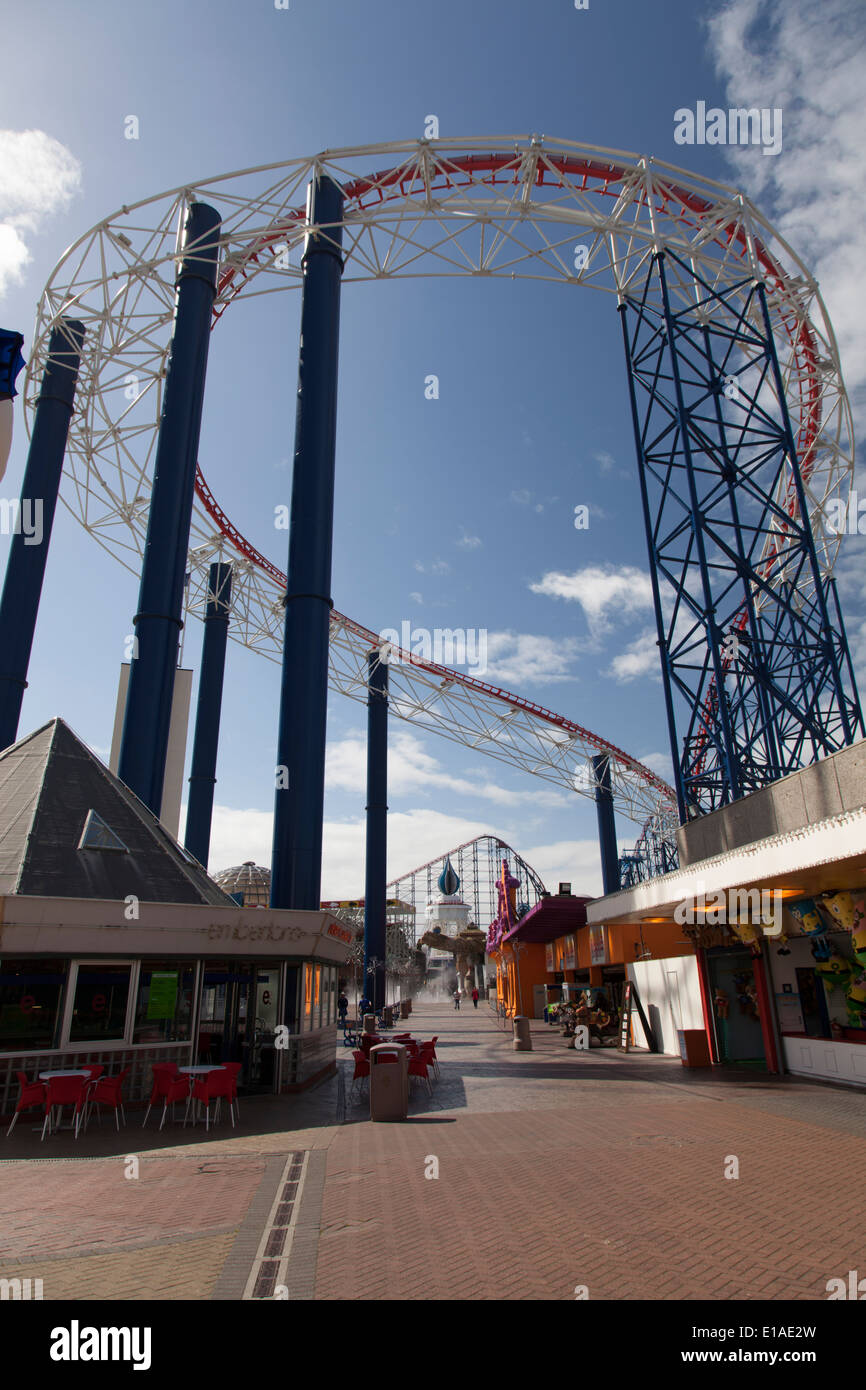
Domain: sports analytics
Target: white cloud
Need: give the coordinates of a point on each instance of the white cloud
(807, 59)
(437, 567)
(850, 573)
(640, 658)
(660, 764)
(417, 598)
(603, 592)
(467, 542)
(518, 658)
(14, 256)
(412, 769)
(237, 836)
(39, 177)
(567, 861)
(606, 462)
(523, 497)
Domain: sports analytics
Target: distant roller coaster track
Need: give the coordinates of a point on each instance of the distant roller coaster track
(502, 207)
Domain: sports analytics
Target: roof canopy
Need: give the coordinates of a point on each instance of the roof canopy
(69, 828)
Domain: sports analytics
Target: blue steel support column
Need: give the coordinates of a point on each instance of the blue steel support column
(713, 632)
(667, 680)
(296, 865)
(606, 825)
(28, 553)
(375, 891)
(202, 781)
(158, 622)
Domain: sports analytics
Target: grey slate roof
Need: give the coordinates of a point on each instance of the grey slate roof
(49, 782)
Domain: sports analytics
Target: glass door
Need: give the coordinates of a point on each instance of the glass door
(238, 1019)
(260, 1027)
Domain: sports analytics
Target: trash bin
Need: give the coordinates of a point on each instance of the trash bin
(404, 1008)
(389, 1081)
(388, 1016)
(369, 1023)
(522, 1038)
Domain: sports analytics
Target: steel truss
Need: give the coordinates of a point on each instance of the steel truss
(654, 854)
(757, 674)
(479, 866)
(496, 208)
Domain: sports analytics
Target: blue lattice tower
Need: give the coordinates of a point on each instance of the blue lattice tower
(756, 670)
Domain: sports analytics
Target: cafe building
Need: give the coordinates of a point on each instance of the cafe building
(116, 947)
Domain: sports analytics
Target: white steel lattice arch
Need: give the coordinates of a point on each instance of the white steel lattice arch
(500, 207)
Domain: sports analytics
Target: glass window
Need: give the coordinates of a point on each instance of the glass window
(308, 998)
(317, 999)
(290, 1018)
(30, 995)
(163, 1008)
(101, 997)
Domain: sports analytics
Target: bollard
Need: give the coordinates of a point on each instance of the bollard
(522, 1041)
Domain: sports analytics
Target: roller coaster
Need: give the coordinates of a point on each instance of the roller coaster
(742, 432)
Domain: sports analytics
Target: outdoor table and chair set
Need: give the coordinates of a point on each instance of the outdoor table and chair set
(85, 1087)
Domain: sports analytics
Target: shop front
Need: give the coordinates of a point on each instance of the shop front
(535, 958)
(818, 977)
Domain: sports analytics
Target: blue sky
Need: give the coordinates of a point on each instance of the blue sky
(448, 511)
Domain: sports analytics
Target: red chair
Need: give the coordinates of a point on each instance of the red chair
(418, 1067)
(234, 1069)
(94, 1068)
(164, 1074)
(430, 1047)
(217, 1085)
(65, 1090)
(362, 1068)
(107, 1090)
(32, 1093)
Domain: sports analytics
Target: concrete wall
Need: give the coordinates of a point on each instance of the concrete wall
(670, 993)
(815, 793)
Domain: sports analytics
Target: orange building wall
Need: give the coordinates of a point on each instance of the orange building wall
(532, 972)
(662, 939)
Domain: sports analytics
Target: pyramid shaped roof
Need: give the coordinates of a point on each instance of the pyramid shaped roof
(69, 828)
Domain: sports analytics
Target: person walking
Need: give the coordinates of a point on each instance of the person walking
(457, 999)
(343, 1008)
(475, 998)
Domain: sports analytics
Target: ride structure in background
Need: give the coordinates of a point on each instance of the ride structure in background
(735, 488)
(479, 868)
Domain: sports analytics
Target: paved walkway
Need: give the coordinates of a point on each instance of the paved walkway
(557, 1171)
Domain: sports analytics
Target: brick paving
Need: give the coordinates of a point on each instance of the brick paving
(556, 1170)
(560, 1169)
